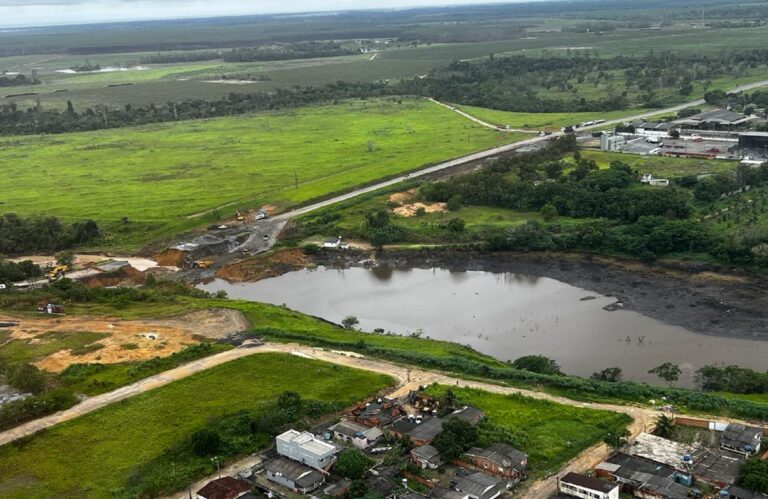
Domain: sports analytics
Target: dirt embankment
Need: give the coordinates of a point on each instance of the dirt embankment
(127, 341)
(263, 266)
(409, 206)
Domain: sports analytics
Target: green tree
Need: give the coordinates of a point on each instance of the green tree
(352, 463)
(611, 374)
(537, 364)
(455, 225)
(290, 404)
(350, 322)
(206, 442)
(616, 440)
(753, 475)
(548, 212)
(665, 426)
(667, 371)
(457, 436)
(27, 378)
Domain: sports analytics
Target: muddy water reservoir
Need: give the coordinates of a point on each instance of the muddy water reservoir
(505, 315)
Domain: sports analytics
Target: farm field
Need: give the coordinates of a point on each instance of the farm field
(160, 176)
(113, 443)
(660, 166)
(550, 433)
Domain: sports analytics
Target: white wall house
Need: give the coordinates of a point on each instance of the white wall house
(305, 448)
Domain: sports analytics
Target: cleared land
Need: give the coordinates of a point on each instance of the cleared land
(661, 166)
(114, 442)
(54, 344)
(157, 175)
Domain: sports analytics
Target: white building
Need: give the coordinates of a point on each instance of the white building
(305, 448)
(612, 142)
(360, 436)
(576, 485)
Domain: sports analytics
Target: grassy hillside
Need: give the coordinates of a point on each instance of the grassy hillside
(111, 444)
(160, 176)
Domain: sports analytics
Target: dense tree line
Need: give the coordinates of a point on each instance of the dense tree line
(18, 271)
(286, 51)
(37, 119)
(733, 379)
(22, 235)
(599, 194)
(18, 80)
(510, 83)
(185, 56)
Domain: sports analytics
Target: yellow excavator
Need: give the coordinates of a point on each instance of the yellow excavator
(203, 264)
(57, 272)
(240, 216)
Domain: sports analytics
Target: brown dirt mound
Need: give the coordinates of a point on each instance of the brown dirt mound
(129, 340)
(402, 197)
(263, 266)
(410, 210)
(172, 257)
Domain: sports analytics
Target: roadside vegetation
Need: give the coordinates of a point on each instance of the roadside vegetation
(157, 442)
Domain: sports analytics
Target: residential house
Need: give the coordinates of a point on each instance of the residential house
(741, 438)
(379, 412)
(499, 460)
(295, 476)
(576, 485)
(358, 435)
(307, 449)
(443, 493)
(471, 415)
(735, 492)
(480, 486)
(426, 457)
(225, 487)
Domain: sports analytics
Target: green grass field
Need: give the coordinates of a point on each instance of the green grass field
(159, 176)
(94, 455)
(550, 433)
(661, 166)
(542, 121)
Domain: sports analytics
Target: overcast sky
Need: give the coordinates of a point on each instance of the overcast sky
(17, 13)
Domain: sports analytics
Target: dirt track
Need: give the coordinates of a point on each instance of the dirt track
(170, 335)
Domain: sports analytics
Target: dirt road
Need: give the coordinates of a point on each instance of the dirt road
(408, 379)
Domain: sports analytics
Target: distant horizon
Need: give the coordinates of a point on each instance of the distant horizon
(68, 13)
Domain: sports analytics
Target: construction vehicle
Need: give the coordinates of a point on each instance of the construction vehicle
(57, 272)
(203, 264)
(240, 216)
(51, 309)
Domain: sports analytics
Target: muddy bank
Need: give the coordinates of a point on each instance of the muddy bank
(264, 266)
(698, 297)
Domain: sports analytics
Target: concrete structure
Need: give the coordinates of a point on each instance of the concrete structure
(499, 460)
(755, 140)
(716, 119)
(305, 448)
(659, 182)
(426, 457)
(742, 439)
(295, 476)
(480, 486)
(358, 435)
(653, 129)
(576, 485)
(223, 488)
(611, 142)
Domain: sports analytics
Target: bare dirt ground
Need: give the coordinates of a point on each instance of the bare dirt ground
(409, 207)
(128, 340)
(141, 264)
(263, 266)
